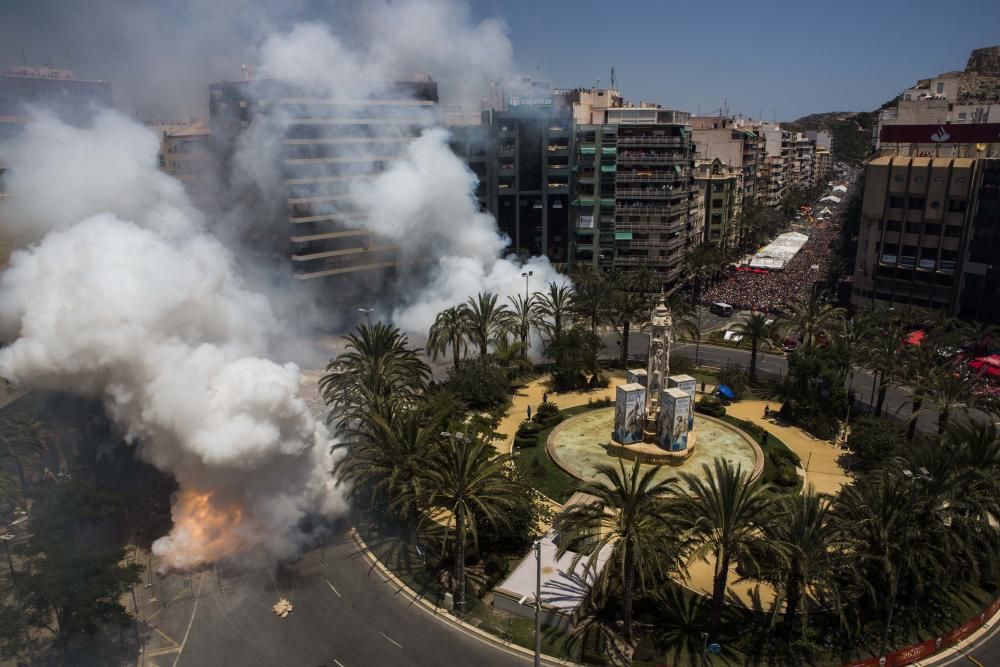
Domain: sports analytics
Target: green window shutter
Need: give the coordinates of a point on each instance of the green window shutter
(609, 150)
(609, 168)
(588, 150)
(623, 236)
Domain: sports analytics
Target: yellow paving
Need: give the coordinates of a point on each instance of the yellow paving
(819, 457)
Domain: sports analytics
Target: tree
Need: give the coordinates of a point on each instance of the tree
(70, 587)
(481, 383)
(554, 309)
(884, 357)
(628, 518)
(485, 320)
(722, 513)
(949, 391)
(378, 373)
(873, 440)
(20, 441)
(592, 297)
(644, 280)
(449, 330)
(523, 318)
(812, 392)
(574, 356)
(813, 321)
(757, 330)
(804, 531)
(465, 477)
(920, 365)
(701, 262)
(628, 308)
(385, 457)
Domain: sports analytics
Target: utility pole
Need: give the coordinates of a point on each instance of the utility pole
(7, 537)
(526, 275)
(538, 603)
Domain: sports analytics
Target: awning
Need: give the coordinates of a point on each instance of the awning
(609, 150)
(607, 202)
(677, 168)
(623, 236)
(609, 168)
(583, 202)
(588, 150)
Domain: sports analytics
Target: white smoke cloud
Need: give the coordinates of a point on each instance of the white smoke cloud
(126, 299)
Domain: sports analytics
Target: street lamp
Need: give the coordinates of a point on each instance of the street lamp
(538, 602)
(367, 312)
(7, 537)
(526, 275)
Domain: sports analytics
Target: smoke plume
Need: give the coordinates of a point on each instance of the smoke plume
(125, 298)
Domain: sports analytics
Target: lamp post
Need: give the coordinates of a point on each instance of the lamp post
(7, 537)
(526, 275)
(538, 602)
(367, 312)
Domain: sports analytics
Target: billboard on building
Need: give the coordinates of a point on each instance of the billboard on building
(964, 133)
(675, 415)
(630, 413)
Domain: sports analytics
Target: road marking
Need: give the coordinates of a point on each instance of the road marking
(391, 639)
(335, 591)
(197, 599)
(338, 663)
(974, 661)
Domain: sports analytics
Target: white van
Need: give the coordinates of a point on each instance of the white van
(723, 309)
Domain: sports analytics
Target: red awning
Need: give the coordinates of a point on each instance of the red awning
(916, 337)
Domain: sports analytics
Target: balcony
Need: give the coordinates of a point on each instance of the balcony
(658, 192)
(649, 140)
(628, 208)
(650, 157)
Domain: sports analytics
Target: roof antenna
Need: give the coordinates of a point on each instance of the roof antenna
(613, 82)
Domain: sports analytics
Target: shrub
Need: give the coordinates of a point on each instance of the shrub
(529, 427)
(711, 406)
(735, 378)
(786, 474)
(547, 414)
(873, 440)
(681, 365)
(599, 381)
(480, 383)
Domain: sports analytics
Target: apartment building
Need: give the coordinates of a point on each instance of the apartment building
(778, 164)
(721, 193)
(186, 154)
(328, 141)
(71, 99)
(636, 200)
(929, 235)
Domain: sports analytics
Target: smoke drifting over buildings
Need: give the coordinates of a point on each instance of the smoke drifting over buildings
(120, 292)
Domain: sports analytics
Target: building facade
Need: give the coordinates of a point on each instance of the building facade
(721, 193)
(73, 100)
(328, 141)
(929, 236)
(186, 154)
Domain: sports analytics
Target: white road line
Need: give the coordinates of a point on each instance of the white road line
(335, 591)
(338, 663)
(391, 639)
(197, 598)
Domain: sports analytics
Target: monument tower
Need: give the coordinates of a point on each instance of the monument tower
(658, 366)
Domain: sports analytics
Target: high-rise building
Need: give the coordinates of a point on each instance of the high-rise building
(73, 100)
(929, 236)
(328, 141)
(720, 189)
(186, 154)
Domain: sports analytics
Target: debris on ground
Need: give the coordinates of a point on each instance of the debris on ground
(283, 608)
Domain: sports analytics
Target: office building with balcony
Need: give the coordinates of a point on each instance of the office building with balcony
(929, 236)
(72, 100)
(720, 192)
(328, 142)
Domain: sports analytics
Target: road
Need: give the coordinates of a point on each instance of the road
(345, 615)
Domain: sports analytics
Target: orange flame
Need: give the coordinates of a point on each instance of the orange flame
(205, 530)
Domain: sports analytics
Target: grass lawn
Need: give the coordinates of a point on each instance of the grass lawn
(540, 471)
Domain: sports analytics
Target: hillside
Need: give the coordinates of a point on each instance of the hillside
(851, 131)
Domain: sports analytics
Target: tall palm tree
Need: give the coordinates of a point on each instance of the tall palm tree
(466, 477)
(850, 337)
(522, 319)
(20, 442)
(628, 308)
(644, 280)
(756, 330)
(813, 321)
(554, 309)
(701, 261)
(803, 528)
(378, 373)
(485, 320)
(885, 356)
(592, 298)
(386, 455)
(723, 514)
(920, 366)
(950, 391)
(449, 330)
(628, 518)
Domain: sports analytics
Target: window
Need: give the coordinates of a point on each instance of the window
(912, 227)
(895, 202)
(898, 178)
(907, 97)
(918, 179)
(953, 231)
(955, 206)
(961, 115)
(894, 225)
(932, 230)
(935, 205)
(940, 87)
(916, 203)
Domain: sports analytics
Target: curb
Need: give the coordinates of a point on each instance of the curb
(957, 651)
(437, 612)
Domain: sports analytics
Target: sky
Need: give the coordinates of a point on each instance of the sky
(776, 59)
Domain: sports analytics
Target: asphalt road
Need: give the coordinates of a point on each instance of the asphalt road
(345, 615)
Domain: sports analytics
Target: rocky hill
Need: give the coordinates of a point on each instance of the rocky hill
(851, 131)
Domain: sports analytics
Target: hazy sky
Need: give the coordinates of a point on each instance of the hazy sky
(787, 58)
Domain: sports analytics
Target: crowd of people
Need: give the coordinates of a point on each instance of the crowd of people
(769, 291)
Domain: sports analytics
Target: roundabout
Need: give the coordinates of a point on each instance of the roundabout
(581, 443)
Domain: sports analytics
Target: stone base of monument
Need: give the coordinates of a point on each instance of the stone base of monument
(651, 453)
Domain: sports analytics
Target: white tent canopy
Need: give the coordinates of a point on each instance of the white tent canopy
(835, 200)
(776, 254)
(840, 188)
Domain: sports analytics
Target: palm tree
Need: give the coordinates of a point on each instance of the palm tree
(644, 280)
(701, 262)
(921, 364)
(386, 455)
(466, 477)
(20, 441)
(378, 373)
(553, 310)
(592, 298)
(449, 330)
(949, 391)
(522, 319)
(849, 339)
(813, 321)
(628, 308)
(628, 518)
(803, 528)
(723, 514)
(485, 320)
(885, 357)
(757, 330)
